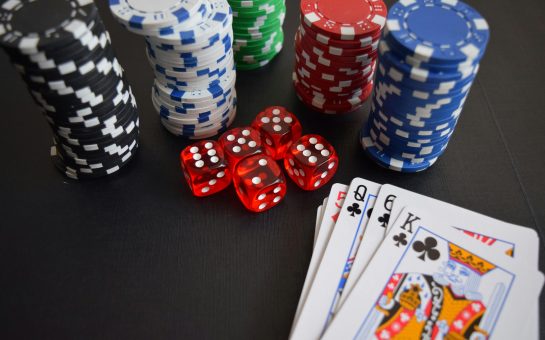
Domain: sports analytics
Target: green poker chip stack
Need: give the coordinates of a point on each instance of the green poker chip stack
(258, 34)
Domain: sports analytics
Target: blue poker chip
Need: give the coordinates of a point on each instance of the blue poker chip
(428, 59)
(420, 80)
(438, 31)
(404, 98)
(421, 73)
(409, 130)
(403, 141)
(413, 61)
(411, 154)
(385, 160)
(432, 111)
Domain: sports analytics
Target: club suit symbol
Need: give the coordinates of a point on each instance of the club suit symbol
(400, 239)
(384, 219)
(427, 248)
(354, 209)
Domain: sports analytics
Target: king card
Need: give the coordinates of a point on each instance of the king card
(429, 281)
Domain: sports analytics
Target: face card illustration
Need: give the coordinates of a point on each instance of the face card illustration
(331, 208)
(429, 282)
(516, 241)
(335, 266)
(372, 237)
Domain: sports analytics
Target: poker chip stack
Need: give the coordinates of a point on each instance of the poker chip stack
(189, 46)
(336, 51)
(257, 25)
(428, 59)
(63, 53)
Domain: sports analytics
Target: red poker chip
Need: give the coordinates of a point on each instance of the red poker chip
(310, 45)
(341, 71)
(327, 108)
(333, 92)
(330, 104)
(338, 50)
(314, 79)
(345, 44)
(346, 20)
(333, 77)
(312, 57)
(321, 93)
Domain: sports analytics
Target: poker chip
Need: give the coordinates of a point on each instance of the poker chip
(258, 33)
(63, 52)
(189, 45)
(336, 48)
(429, 56)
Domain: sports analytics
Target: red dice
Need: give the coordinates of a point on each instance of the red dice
(205, 168)
(239, 143)
(311, 162)
(259, 182)
(279, 128)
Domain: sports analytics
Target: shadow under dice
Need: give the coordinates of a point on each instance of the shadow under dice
(279, 128)
(311, 162)
(259, 182)
(239, 143)
(205, 168)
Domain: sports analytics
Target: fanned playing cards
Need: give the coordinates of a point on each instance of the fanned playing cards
(392, 264)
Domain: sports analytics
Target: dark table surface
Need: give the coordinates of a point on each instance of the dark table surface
(137, 256)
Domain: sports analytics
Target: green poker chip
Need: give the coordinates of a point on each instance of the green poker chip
(262, 48)
(268, 10)
(256, 58)
(257, 29)
(262, 27)
(253, 6)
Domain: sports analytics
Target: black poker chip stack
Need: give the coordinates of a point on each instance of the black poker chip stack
(64, 54)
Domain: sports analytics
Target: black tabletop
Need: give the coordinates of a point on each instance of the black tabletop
(137, 256)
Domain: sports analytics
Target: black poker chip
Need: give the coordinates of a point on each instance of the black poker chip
(64, 54)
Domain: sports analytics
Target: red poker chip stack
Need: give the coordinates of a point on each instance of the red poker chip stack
(335, 53)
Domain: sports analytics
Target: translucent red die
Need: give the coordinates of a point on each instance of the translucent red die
(239, 143)
(279, 128)
(259, 182)
(205, 168)
(311, 162)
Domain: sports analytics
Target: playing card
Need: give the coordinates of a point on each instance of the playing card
(317, 224)
(336, 262)
(319, 219)
(372, 238)
(520, 242)
(497, 234)
(430, 281)
(330, 214)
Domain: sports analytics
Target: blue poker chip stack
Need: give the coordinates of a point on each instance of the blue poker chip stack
(63, 53)
(428, 58)
(189, 46)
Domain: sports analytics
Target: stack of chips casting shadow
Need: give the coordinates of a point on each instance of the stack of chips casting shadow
(336, 52)
(257, 26)
(189, 46)
(63, 52)
(428, 59)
